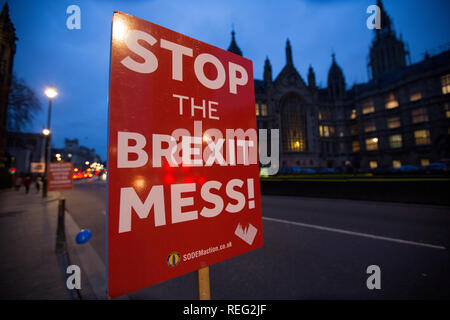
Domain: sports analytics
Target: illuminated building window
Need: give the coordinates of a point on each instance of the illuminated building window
(395, 141)
(373, 164)
(422, 137)
(445, 83)
(355, 146)
(326, 131)
(447, 110)
(370, 127)
(393, 123)
(354, 130)
(353, 114)
(372, 144)
(391, 101)
(320, 115)
(367, 107)
(424, 162)
(415, 96)
(293, 122)
(419, 115)
(331, 128)
(257, 109)
(396, 164)
(264, 109)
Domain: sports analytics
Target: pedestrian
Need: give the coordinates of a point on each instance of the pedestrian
(19, 181)
(27, 183)
(38, 184)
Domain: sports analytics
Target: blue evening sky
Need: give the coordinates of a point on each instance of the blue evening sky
(76, 61)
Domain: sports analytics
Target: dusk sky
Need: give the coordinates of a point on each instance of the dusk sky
(76, 62)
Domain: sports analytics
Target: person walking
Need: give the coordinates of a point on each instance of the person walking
(27, 183)
(38, 184)
(18, 182)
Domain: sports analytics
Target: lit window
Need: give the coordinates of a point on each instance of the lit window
(393, 123)
(445, 82)
(422, 137)
(396, 164)
(391, 101)
(354, 130)
(355, 146)
(370, 127)
(257, 109)
(395, 141)
(353, 114)
(368, 107)
(415, 96)
(372, 144)
(373, 164)
(264, 109)
(320, 115)
(326, 131)
(293, 124)
(331, 130)
(419, 115)
(424, 162)
(447, 110)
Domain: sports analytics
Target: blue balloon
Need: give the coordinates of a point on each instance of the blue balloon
(83, 236)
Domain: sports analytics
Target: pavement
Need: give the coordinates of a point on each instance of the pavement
(30, 269)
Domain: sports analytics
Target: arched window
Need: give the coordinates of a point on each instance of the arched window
(293, 124)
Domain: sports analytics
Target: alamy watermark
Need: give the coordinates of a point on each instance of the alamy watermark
(374, 20)
(74, 279)
(374, 280)
(74, 20)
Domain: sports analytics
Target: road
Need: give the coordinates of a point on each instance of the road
(313, 249)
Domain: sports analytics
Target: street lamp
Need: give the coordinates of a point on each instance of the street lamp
(51, 93)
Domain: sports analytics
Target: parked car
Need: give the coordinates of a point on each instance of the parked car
(285, 170)
(436, 167)
(327, 170)
(296, 170)
(410, 168)
(381, 170)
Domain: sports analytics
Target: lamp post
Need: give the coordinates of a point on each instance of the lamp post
(50, 92)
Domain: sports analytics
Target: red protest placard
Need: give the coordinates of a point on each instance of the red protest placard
(183, 183)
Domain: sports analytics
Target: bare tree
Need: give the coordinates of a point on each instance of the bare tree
(23, 105)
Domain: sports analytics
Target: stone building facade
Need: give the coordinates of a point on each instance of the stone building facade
(24, 149)
(7, 51)
(401, 116)
(75, 153)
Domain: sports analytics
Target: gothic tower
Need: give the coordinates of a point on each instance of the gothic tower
(336, 81)
(311, 78)
(289, 60)
(267, 72)
(233, 45)
(387, 52)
